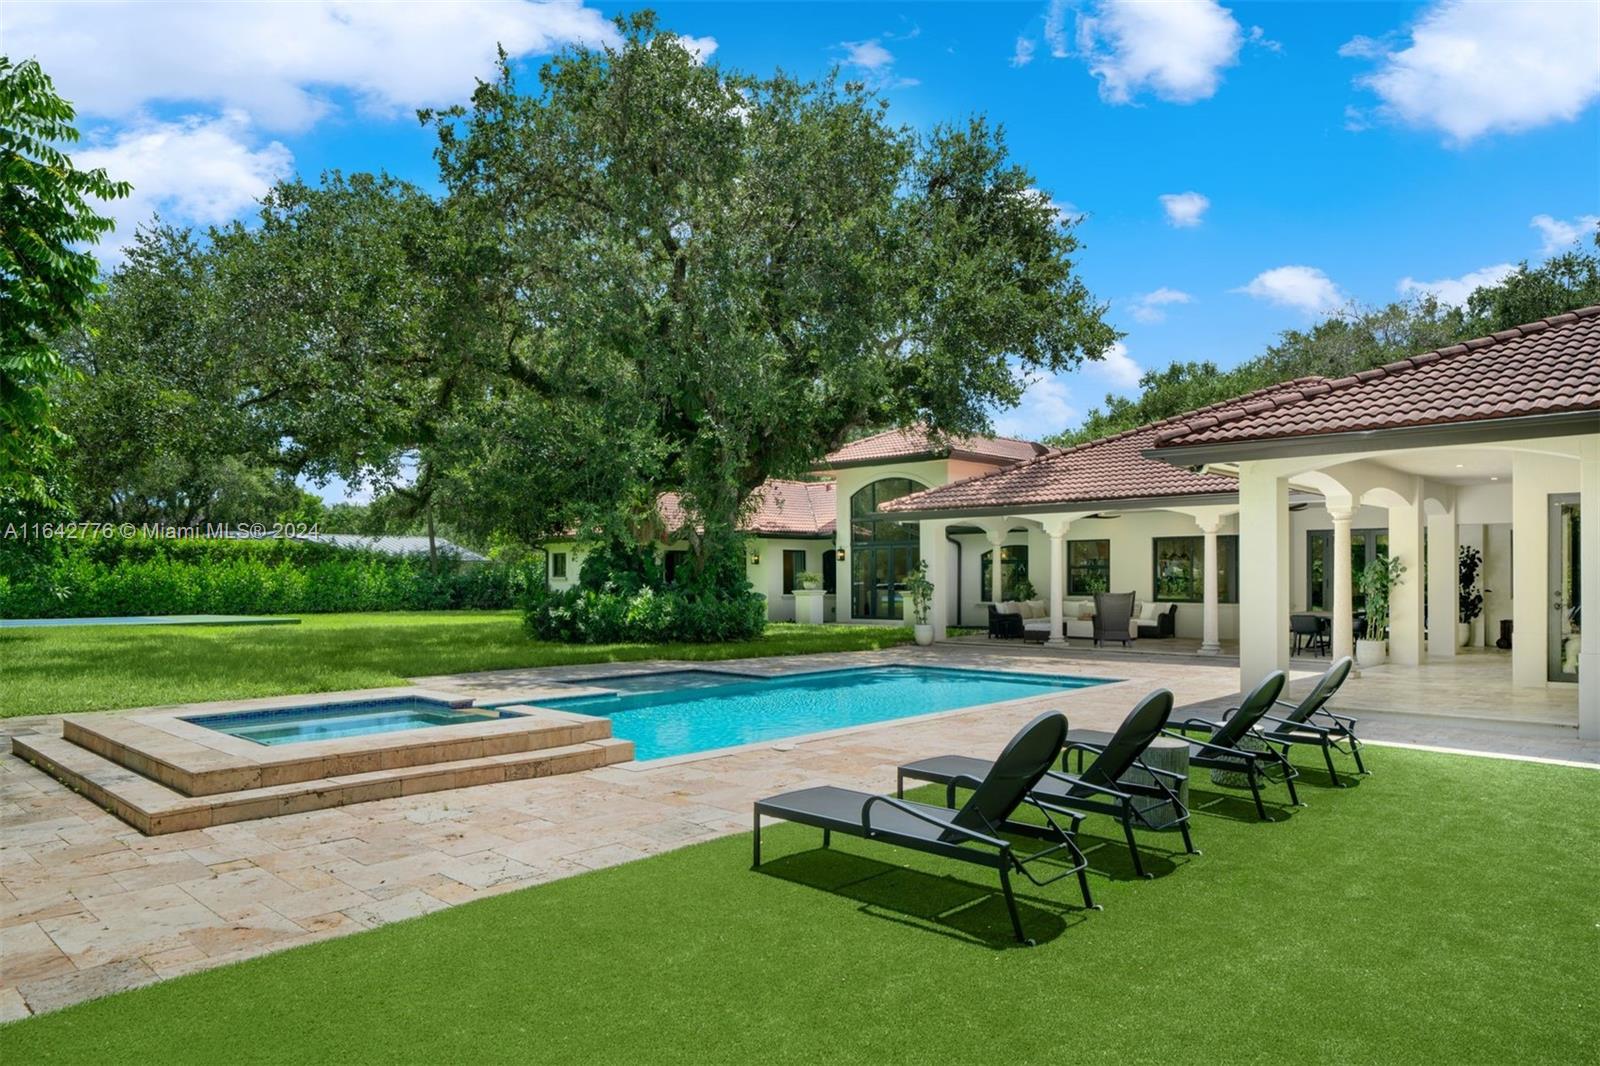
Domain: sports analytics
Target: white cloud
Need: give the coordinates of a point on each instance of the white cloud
(1559, 234)
(868, 55)
(1152, 306)
(1117, 367)
(1064, 212)
(1301, 287)
(196, 170)
(1184, 209)
(1176, 50)
(1472, 68)
(1046, 408)
(279, 61)
(1258, 37)
(699, 47)
(1055, 29)
(1454, 291)
(1024, 52)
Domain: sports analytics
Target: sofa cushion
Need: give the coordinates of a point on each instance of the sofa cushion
(1009, 607)
(1150, 612)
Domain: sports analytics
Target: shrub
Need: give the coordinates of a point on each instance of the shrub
(142, 576)
(647, 615)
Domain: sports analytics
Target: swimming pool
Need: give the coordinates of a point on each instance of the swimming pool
(330, 721)
(684, 720)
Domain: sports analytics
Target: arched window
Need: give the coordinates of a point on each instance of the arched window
(883, 552)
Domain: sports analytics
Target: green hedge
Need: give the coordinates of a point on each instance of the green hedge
(646, 615)
(139, 577)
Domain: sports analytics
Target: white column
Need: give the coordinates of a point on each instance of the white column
(1444, 576)
(1263, 573)
(1589, 549)
(1056, 530)
(997, 540)
(935, 551)
(1210, 643)
(1343, 622)
(1405, 598)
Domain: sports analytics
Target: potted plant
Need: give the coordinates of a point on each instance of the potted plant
(1470, 595)
(807, 580)
(1023, 590)
(1377, 578)
(919, 590)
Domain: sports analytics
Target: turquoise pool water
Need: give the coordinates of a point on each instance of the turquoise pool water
(679, 720)
(330, 721)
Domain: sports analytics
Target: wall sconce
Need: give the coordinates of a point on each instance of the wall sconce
(755, 558)
(839, 555)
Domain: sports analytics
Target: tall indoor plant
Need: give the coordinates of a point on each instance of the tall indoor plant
(919, 591)
(1377, 578)
(1470, 604)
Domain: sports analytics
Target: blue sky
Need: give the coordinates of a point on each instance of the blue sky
(1243, 168)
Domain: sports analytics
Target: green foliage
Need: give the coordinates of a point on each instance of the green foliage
(806, 579)
(711, 279)
(1374, 581)
(610, 614)
(1469, 594)
(45, 279)
(143, 576)
(1351, 342)
(919, 592)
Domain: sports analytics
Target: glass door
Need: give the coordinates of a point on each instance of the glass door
(1565, 585)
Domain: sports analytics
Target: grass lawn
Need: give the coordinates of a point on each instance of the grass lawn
(1444, 910)
(54, 670)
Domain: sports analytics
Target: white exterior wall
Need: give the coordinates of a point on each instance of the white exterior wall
(1534, 478)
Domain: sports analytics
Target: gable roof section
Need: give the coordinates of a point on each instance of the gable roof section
(1099, 471)
(918, 443)
(782, 509)
(1547, 367)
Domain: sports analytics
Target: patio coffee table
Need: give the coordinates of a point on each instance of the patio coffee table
(1164, 753)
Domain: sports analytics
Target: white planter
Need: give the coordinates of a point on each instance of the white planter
(1475, 640)
(809, 607)
(1463, 634)
(1372, 652)
(924, 634)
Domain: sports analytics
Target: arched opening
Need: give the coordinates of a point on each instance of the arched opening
(883, 552)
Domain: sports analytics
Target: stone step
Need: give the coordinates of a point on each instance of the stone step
(194, 769)
(153, 809)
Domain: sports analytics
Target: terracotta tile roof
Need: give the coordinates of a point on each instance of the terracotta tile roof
(1547, 367)
(782, 509)
(1112, 468)
(918, 443)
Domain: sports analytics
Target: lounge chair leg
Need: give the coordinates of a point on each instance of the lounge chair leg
(827, 837)
(1327, 757)
(1011, 906)
(1133, 846)
(1255, 791)
(900, 786)
(756, 859)
(1355, 750)
(1188, 842)
(1294, 797)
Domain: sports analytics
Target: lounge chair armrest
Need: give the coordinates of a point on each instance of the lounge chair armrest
(1344, 720)
(906, 808)
(1080, 783)
(1197, 723)
(1229, 713)
(1170, 775)
(1290, 726)
(1240, 753)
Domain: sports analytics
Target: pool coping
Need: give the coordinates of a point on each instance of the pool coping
(158, 742)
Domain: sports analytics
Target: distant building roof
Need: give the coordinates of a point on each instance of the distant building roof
(918, 443)
(392, 545)
(1547, 367)
(782, 509)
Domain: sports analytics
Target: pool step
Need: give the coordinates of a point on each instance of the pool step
(153, 808)
(192, 768)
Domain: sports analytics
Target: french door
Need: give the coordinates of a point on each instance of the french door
(1565, 586)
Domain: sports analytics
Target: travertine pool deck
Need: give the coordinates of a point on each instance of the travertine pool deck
(90, 906)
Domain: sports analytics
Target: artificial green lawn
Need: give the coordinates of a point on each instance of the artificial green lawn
(52, 670)
(1443, 910)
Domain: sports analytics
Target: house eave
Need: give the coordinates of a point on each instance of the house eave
(1481, 431)
(1126, 503)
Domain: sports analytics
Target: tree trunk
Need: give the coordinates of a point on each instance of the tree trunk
(433, 545)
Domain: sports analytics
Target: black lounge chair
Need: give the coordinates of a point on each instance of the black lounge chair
(1100, 788)
(1310, 722)
(1221, 750)
(970, 833)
